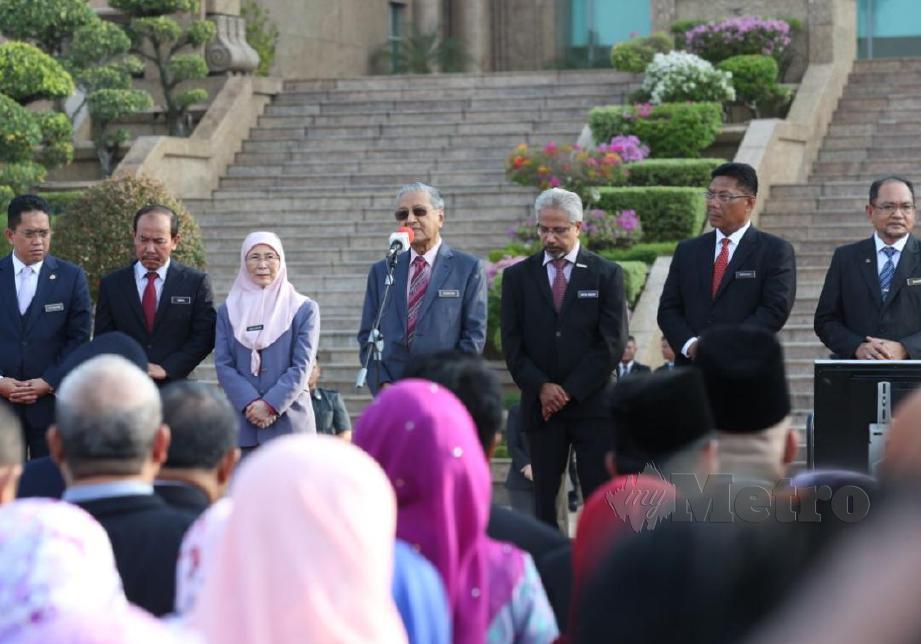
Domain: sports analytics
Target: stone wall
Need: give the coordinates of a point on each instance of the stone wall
(526, 34)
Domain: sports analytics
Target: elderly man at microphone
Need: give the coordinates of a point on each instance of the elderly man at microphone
(436, 300)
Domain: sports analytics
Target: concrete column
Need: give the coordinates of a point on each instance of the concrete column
(474, 32)
(427, 16)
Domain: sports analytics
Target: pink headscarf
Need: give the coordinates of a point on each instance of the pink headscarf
(59, 582)
(271, 308)
(307, 552)
(197, 551)
(425, 440)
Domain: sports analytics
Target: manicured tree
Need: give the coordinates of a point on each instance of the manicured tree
(46, 23)
(160, 39)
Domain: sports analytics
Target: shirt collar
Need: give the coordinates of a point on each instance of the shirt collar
(735, 237)
(569, 257)
(140, 272)
(429, 255)
(880, 244)
(18, 265)
(93, 491)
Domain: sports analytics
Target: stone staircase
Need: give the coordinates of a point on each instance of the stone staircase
(323, 165)
(873, 133)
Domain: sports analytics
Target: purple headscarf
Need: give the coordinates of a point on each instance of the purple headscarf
(426, 442)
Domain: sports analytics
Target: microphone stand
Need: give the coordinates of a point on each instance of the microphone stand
(375, 341)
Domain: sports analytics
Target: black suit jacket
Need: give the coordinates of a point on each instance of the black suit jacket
(183, 496)
(638, 367)
(850, 307)
(146, 534)
(183, 333)
(578, 348)
(517, 442)
(41, 477)
(758, 288)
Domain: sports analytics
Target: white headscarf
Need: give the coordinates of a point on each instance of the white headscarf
(268, 311)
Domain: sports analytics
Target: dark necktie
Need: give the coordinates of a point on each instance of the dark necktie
(719, 267)
(418, 283)
(559, 283)
(149, 301)
(885, 275)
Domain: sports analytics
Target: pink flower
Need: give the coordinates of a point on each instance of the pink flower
(643, 110)
(550, 148)
(554, 182)
(628, 220)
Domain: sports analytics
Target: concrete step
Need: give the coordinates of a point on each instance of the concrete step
(368, 218)
(868, 167)
(361, 105)
(416, 117)
(874, 153)
(875, 116)
(367, 181)
(380, 229)
(518, 127)
(469, 81)
(217, 241)
(394, 165)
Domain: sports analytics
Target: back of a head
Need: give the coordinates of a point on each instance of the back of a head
(469, 378)
(12, 448)
(203, 424)
(656, 416)
(107, 415)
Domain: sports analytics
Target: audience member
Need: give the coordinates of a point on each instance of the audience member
(328, 408)
(668, 355)
(427, 444)
(109, 440)
(11, 453)
(628, 364)
(203, 445)
(307, 551)
(520, 480)
(197, 552)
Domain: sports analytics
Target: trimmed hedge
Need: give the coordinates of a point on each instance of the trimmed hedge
(635, 54)
(635, 274)
(754, 77)
(61, 202)
(666, 213)
(671, 130)
(672, 172)
(646, 253)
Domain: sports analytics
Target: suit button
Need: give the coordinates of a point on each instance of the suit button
(559, 334)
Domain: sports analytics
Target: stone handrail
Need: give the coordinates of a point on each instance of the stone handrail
(192, 167)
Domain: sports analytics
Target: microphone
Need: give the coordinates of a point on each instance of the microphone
(400, 241)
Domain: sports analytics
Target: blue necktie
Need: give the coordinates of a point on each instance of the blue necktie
(885, 275)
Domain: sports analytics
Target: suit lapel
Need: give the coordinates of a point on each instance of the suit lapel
(579, 278)
(129, 285)
(867, 268)
(43, 287)
(444, 264)
(399, 289)
(747, 245)
(706, 249)
(539, 272)
(174, 276)
(8, 293)
(908, 262)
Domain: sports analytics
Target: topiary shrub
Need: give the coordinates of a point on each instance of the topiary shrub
(665, 213)
(754, 78)
(646, 252)
(681, 27)
(719, 40)
(635, 54)
(673, 172)
(635, 274)
(47, 23)
(28, 74)
(680, 76)
(671, 130)
(96, 234)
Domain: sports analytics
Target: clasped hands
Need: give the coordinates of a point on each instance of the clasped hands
(552, 399)
(879, 349)
(23, 392)
(260, 414)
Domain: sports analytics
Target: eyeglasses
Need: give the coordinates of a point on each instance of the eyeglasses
(558, 230)
(418, 211)
(723, 197)
(258, 259)
(32, 234)
(892, 208)
(156, 241)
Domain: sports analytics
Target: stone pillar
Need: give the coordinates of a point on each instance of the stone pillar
(832, 30)
(663, 14)
(473, 30)
(229, 53)
(427, 16)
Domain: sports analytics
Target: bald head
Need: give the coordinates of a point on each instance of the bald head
(107, 417)
(902, 458)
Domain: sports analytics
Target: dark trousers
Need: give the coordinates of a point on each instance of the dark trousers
(33, 436)
(589, 437)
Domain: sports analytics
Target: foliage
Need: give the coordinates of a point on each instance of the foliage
(643, 252)
(600, 231)
(678, 130)
(158, 37)
(28, 74)
(628, 147)
(567, 166)
(716, 41)
(47, 23)
(681, 27)
(19, 131)
(107, 210)
(61, 202)
(635, 54)
(261, 33)
(680, 76)
(666, 213)
(20, 177)
(421, 53)
(754, 77)
(673, 172)
(57, 148)
(635, 274)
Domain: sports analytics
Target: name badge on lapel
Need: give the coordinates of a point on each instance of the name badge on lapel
(257, 327)
(51, 308)
(180, 299)
(746, 275)
(913, 281)
(581, 265)
(445, 292)
(587, 295)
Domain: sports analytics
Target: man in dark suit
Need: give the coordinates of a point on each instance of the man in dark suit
(166, 306)
(735, 274)
(870, 306)
(668, 355)
(438, 298)
(109, 440)
(564, 326)
(203, 446)
(11, 451)
(46, 314)
(628, 365)
(329, 409)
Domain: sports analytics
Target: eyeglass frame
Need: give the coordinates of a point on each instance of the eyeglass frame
(891, 209)
(723, 197)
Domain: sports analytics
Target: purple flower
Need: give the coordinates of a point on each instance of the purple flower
(628, 220)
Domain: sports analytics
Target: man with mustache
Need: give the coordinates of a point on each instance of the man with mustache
(164, 305)
(564, 326)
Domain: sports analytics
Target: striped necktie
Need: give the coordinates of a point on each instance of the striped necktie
(418, 283)
(885, 275)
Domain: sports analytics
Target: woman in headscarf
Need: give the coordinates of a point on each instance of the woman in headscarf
(306, 554)
(60, 583)
(266, 345)
(426, 442)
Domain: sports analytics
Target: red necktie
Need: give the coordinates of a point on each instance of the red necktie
(559, 283)
(418, 283)
(719, 267)
(149, 301)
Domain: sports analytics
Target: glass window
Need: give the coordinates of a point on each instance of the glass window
(888, 28)
(395, 34)
(595, 25)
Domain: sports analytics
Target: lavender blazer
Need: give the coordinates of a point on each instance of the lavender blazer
(282, 382)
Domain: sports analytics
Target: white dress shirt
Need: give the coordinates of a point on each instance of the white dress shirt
(570, 258)
(25, 295)
(140, 278)
(429, 258)
(881, 258)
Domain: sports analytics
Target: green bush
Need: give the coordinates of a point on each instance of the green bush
(47, 23)
(754, 78)
(635, 54)
(672, 172)
(19, 131)
(493, 348)
(671, 130)
(666, 213)
(262, 35)
(108, 210)
(28, 74)
(646, 252)
(634, 280)
(61, 202)
(679, 28)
